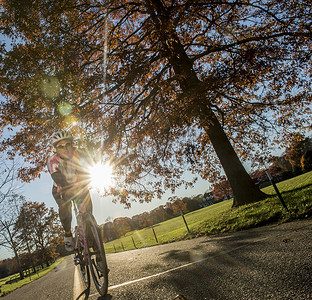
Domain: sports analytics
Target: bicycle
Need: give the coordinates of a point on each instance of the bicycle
(89, 251)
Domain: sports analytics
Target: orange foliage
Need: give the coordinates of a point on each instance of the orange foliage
(174, 71)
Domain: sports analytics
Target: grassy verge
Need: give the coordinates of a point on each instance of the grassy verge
(9, 287)
(221, 217)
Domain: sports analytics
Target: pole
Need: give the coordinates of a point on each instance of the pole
(276, 190)
(155, 235)
(122, 246)
(182, 215)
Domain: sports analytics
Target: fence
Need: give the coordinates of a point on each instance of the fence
(156, 234)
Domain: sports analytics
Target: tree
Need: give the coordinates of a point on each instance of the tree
(193, 203)
(110, 232)
(25, 231)
(306, 161)
(222, 190)
(39, 227)
(145, 220)
(122, 225)
(297, 145)
(3, 269)
(159, 214)
(8, 234)
(135, 221)
(280, 164)
(177, 205)
(180, 85)
(209, 198)
(10, 203)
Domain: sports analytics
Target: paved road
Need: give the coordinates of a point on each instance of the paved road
(272, 262)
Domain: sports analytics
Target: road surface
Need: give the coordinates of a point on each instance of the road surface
(271, 262)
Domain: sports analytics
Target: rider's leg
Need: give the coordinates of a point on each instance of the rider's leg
(65, 213)
(84, 201)
(65, 210)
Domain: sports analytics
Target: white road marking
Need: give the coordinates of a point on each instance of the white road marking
(152, 276)
(155, 275)
(77, 284)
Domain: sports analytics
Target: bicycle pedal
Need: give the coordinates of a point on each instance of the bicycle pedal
(76, 261)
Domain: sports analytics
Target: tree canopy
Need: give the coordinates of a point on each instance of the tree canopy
(167, 86)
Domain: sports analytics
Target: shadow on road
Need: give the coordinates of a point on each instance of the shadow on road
(193, 254)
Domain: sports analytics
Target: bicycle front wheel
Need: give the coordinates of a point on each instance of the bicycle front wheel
(97, 257)
(80, 261)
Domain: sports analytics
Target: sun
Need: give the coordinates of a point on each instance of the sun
(101, 176)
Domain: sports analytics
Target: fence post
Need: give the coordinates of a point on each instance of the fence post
(155, 235)
(133, 243)
(276, 190)
(182, 215)
(114, 248)
(123, 248)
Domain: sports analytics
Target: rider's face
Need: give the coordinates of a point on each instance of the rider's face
(64, 148)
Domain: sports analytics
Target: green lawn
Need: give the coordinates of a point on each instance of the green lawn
(221, 217)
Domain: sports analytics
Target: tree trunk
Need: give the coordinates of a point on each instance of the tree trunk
(15, 253)
(244, 189)
(31, 258)
(20, 270)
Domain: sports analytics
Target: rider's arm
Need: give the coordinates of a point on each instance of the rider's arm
(54, 170)
(59, 179)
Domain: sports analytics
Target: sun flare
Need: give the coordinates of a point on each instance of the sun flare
(101, 176)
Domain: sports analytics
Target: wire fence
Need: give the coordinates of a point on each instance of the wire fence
(164, 232)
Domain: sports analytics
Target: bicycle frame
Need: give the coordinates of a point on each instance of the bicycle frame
(81, 248)
(90, 261)
(81, 236)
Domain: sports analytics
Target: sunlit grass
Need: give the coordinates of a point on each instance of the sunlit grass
(221, 217)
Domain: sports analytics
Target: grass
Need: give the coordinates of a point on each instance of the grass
(221, 217)
(15, 284)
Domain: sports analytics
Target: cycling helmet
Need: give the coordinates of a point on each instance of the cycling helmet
(60, 135)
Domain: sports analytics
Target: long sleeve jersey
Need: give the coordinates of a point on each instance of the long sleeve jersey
(65, 172)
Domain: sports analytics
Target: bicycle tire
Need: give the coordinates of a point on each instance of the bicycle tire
(100, 279)
(80, 261)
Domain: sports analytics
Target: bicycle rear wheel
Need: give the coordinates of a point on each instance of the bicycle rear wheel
(80, 261)
(97, 257)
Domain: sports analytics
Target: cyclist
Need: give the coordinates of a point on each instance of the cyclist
(67, 167)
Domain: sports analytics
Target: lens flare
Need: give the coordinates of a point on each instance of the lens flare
(65, 109)
(101, 176)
